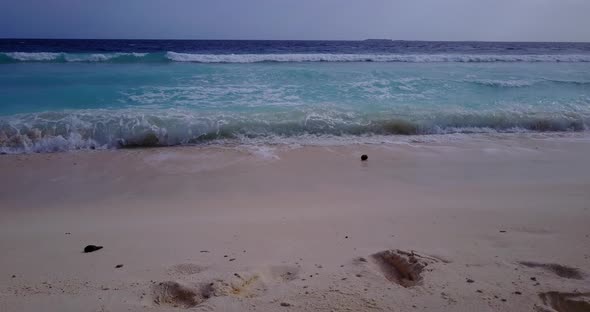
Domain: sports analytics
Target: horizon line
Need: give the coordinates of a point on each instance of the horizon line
(342, 40)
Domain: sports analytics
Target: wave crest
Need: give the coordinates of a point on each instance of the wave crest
(50, 132)
(16, 57)
(504, 83)
(409, 58)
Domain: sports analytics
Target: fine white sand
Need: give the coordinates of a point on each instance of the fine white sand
(276, 228)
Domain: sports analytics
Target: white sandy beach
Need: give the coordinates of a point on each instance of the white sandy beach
(294, 229)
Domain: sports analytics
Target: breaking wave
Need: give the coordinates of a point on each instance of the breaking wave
(100, 129)
(18, 57)
(410, 58)
(503, 83)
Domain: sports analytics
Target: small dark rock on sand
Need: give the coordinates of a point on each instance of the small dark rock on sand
(470, 280)
(91, 248)
(502, 231)
(364, 157)
(285, 304)
(118, 266)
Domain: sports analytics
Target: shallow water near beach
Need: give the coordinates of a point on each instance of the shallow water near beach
(92, 94)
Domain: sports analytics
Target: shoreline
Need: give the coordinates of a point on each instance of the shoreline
(150, 141)
(297, 222)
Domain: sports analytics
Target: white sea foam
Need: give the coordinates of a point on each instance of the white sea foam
(299, 57)
(99, 57)
(410, 58)
(91, 129)
(503, 83)
(68, 57)
(33, 56)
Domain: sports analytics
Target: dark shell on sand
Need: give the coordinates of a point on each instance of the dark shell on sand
(91, 248)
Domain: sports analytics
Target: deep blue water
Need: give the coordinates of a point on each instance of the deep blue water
(289, 46)
(69, 94)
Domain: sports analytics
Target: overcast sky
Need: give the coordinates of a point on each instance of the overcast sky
(492, 20)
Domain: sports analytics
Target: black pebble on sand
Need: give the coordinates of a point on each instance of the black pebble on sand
(118, 266)
(470, 280)
(91, 248)
(285, 304)
(364, 157)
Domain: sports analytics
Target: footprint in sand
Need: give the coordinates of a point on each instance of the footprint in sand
(187, 269)
(244, 285)
(241, 285)
(281, 273)
(558, 269)
(566, 302)
(188, 295)
(401, 267)
(175, 294)
(252, 284)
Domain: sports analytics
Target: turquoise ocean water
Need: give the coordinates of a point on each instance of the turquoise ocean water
(55, 100)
